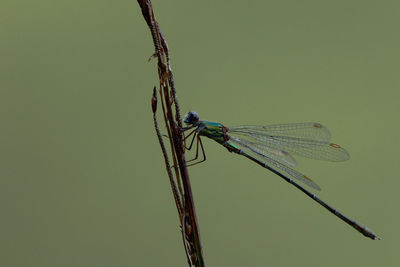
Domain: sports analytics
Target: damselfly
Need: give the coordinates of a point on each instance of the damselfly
(272, 148)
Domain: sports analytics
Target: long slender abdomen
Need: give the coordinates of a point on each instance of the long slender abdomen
(360, 228)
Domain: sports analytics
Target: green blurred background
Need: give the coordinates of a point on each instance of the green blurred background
(82, 179)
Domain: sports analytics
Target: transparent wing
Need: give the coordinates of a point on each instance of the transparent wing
(262, 150)
(276, 160)
(306, 130)
(311, 140)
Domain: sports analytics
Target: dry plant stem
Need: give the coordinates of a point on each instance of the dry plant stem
(173, 154)
(188, 219)
(165, 154)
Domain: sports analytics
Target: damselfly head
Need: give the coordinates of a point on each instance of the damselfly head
(191, 118)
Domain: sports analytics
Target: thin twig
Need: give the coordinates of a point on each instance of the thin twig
(177, 175)
(178, 202)
(173, 123)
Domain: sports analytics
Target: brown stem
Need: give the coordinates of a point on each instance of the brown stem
(170, 107)
(165, 154)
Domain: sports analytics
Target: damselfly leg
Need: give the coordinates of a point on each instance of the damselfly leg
(198, 143)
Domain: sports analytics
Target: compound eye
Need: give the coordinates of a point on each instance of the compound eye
(195, 117)
(191, 117)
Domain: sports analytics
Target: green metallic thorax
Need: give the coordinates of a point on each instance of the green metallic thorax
(212, 130)
(218, 133)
